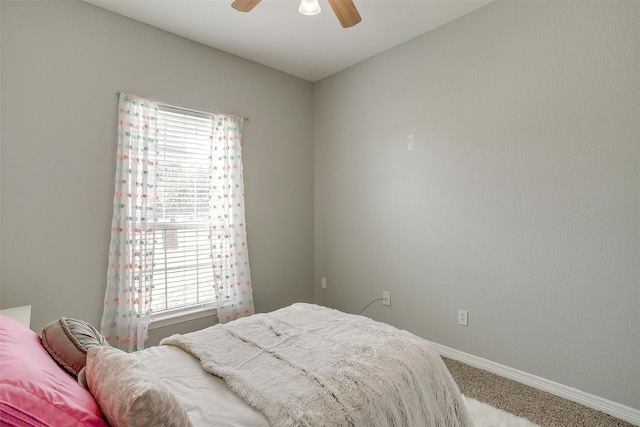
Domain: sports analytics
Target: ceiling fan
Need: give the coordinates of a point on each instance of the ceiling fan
(345, 10)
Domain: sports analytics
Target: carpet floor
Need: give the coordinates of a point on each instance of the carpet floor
(535, 405)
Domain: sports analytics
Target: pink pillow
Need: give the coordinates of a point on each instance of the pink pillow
(34, 390)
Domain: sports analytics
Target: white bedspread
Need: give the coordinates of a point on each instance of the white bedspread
(314, 366)
(208, 400)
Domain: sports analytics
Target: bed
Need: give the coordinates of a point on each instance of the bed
(303, 365)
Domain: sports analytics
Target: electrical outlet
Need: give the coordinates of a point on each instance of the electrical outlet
(462, 317)
(323, 283)
(386, 298)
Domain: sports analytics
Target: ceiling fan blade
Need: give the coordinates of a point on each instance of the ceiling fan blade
(346, 12)
(244, 5)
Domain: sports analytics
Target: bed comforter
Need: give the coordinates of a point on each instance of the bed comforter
(314, 366)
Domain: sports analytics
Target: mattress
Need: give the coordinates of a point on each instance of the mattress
(206, 398)
(311, 365)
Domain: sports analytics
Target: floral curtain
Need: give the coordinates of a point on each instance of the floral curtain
(227, 220)
(127, 310)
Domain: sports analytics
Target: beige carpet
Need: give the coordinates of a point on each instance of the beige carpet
(537, 406)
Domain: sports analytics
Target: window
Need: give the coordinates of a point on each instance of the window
(183, 273)
(178, 231)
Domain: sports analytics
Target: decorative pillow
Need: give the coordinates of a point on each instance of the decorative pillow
(82, 378)
(67, 341)
(34, 391)
(129, 393)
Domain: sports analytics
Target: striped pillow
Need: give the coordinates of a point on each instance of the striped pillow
(67, 341)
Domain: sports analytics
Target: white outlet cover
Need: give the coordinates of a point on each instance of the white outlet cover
(462, 317)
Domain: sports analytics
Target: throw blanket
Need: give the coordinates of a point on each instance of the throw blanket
(307, 365)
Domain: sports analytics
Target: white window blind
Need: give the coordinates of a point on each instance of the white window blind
(183, 274)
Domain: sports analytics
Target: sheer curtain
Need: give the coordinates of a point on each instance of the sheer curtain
(227, 220)
(127, 310)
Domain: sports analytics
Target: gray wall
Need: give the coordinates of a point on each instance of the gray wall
(520, 202)
(62, 64)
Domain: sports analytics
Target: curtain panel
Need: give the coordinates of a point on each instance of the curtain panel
(230, 254)
(127, 310)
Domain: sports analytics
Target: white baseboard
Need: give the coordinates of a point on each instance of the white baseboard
(612, 408)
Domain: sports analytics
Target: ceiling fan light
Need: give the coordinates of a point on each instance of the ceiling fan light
(309, 7)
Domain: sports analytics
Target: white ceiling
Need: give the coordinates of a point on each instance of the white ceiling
(276, 35)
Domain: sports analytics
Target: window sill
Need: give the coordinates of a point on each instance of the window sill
(181, 316)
